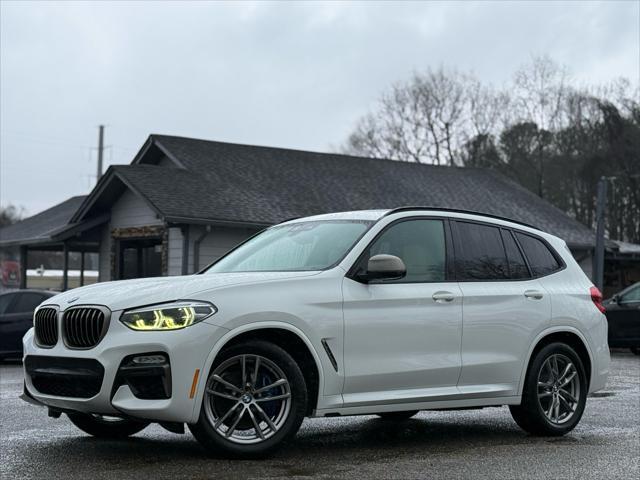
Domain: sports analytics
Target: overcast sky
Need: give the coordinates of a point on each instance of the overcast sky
(269, 74)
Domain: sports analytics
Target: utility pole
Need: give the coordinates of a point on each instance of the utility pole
(100, 151)
(598, 259)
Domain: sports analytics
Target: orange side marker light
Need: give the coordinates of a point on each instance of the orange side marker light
(196, 374)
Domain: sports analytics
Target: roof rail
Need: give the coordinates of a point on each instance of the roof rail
(458, 210)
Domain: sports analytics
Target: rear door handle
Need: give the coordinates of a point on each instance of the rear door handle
(443, 297)
(534, 294)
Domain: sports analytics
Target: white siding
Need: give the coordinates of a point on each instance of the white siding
(130, 210)
(217, 242)
(174, 256)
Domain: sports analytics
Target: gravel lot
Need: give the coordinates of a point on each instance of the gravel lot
(465, 444)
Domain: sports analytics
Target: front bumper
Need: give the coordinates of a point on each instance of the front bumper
(186, 349)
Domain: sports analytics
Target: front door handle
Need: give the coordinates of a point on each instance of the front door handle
(443, 297)
(534, 294)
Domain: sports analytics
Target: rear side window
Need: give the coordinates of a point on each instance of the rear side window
(517, 266)
(480, 253)
(541, 260)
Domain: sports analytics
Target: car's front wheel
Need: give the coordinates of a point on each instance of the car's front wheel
(635, 350)
(255, 399)
(555, 392)
(102, 426)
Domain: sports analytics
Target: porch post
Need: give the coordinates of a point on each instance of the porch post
(82, 268)
(23, 266)
(65, 271)
(185, 249)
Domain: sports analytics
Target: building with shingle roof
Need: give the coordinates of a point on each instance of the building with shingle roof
(184, 202)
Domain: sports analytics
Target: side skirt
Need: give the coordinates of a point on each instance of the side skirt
(433, 405)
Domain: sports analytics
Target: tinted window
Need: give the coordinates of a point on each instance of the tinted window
(27, 302)
(421, 246)
(632, 295)
(541, 260)
(480, 254)
(517, 266)
(5, 300)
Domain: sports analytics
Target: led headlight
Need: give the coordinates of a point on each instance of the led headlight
(167, 316)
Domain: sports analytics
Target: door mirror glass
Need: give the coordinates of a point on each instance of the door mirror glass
(385, 267)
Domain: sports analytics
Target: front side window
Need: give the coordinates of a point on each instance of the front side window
(480, 254)
(541, 260)
(420, 244)
(313, 245)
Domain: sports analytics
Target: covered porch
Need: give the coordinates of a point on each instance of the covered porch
(47, 252)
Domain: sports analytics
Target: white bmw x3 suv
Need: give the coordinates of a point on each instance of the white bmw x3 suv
(369, 312)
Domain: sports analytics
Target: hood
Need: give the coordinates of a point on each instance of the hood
(146, 291)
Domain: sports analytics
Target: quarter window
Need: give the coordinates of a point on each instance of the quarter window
(541, 260)
(480, 254)
(517, 266)
(421, 246)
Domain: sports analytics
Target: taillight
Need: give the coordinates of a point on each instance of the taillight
(596, 298)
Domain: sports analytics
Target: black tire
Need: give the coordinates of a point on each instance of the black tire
(216, 443)
(635, 350)
(397, 416)
(529, 415)
(106, 428)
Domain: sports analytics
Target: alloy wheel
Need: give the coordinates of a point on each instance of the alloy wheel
(558, 389)
(247, 399)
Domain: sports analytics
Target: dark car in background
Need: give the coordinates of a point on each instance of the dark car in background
(623, 316)
(16, 317)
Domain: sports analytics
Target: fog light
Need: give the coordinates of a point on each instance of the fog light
(149, 359)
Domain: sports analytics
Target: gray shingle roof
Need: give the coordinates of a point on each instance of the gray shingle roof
(264, 185)
(42, 226)
(224, 182)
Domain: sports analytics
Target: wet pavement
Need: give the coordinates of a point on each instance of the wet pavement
(464, 444)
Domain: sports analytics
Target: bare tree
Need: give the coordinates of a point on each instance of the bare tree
(10, 215)
(552, 137)
(540, 90)
(423, 120)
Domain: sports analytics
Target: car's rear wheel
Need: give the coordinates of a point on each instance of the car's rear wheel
(255, 399)
(103, 426)
(397, 416)
(555, 392)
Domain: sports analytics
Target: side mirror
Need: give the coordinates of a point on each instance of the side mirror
(385, 267)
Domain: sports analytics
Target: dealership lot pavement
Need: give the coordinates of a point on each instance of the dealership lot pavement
(466, 444)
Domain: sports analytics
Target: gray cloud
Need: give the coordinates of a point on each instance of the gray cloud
(274, 74)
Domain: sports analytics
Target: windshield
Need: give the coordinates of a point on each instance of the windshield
(313, 245)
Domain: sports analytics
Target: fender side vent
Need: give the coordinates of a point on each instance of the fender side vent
(332, 359)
